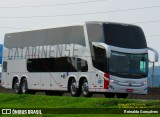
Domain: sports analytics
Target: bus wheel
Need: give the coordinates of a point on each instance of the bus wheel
(75, 92)
(109, 95)
(16, 87)
(122, 95)
(85, 90)
(24, 87)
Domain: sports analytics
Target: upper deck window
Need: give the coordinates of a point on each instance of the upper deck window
(124, 36)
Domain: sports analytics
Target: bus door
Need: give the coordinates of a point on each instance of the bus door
(64, 77)
(55, 79)
(6, 70)
(59, 78)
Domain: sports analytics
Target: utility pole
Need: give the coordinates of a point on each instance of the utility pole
(152, 80)
(156, 55)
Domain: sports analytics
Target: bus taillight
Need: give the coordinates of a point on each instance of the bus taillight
(106, 75)
(106, 80)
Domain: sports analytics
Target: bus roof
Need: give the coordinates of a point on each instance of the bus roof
(43, 28)
(66, 25)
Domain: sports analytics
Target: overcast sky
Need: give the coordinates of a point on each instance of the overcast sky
(27, 14)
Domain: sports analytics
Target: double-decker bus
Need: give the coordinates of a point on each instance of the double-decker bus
(87, 58)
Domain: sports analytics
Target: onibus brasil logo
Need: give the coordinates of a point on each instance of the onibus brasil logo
(21, 111)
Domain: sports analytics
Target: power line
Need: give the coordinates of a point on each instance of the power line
(91, 13)
(71, 3)
(152, 21)
(153, 36)
(147, 22)
(14, 27)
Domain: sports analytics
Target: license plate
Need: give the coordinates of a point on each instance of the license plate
(129, 90)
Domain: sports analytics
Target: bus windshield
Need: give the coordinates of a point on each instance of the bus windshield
(128, 65)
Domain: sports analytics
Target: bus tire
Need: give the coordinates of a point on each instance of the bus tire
(16, 86)
(74, 91)
(122, 95)
(109, 95)
(24, 87)
(85, 90)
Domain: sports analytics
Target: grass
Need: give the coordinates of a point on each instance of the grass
(64, 102)
(41, 101)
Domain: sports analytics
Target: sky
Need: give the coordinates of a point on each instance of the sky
(30, 14)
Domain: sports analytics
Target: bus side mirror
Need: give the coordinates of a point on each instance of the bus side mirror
(104, 46)
(156, 54)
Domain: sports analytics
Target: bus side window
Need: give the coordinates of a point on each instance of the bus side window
(78, 64)
(100, 61)
(4, 66)
(84, 66)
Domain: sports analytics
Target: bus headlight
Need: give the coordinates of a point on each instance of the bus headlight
(145, 83)
(111, 80)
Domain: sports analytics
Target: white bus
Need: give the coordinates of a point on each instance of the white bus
(93, 57)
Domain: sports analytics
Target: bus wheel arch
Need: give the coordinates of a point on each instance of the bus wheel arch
(72, 87)
(16, 85)
(83, 83)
